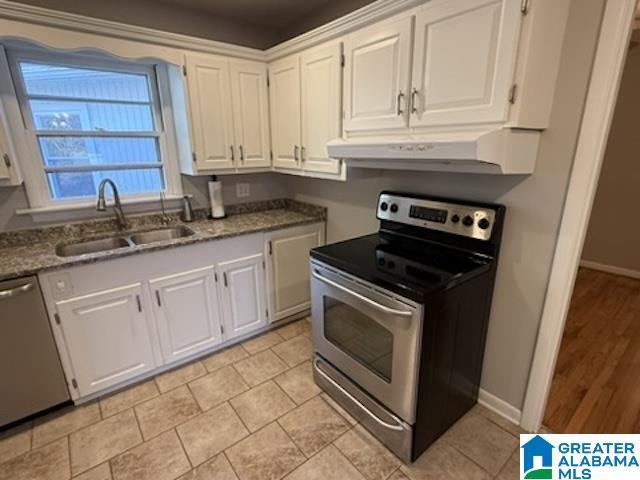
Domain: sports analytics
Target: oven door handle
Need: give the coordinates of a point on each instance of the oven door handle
(398, 428)
(373, 303)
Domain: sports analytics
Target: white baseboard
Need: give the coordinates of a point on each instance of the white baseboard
(625, 272)
(499, 406)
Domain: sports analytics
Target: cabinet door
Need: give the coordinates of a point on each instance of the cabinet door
(284, 78)
(210, 108)
(288, 252)
(377, 71)
(187, 313)
(250, 113)
(107, 337)
(464, 61)
(243, 295)
(321, 106)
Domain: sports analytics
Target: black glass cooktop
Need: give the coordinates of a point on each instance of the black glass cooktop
(408, 267)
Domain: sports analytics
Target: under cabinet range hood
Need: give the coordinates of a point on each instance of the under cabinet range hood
(495, 151)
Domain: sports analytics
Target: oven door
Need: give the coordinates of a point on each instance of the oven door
(369, 334)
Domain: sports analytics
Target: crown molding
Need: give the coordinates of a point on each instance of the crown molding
(360, 18)
(61, 21)
(80, 23)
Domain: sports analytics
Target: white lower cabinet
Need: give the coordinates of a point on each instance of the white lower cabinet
(243, 295)
(118, 321)
(187, 313)
(107, 337)
(288, 268)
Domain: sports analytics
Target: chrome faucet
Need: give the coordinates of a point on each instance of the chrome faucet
(102, 203)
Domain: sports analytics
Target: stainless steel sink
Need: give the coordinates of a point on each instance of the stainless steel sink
(161, 235)
(92, 246)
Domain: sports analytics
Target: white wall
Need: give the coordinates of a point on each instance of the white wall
(533, 203)
(614, 227)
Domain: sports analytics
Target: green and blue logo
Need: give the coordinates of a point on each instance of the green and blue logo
(537, 459)
(580, 457)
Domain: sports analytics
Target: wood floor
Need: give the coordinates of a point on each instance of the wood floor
(596, 386)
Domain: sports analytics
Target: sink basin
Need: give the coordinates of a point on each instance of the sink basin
(92, 246)
(161, 235)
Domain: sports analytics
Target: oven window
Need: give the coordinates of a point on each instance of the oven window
(359, 336)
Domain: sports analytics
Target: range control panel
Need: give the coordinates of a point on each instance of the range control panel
(467, 220)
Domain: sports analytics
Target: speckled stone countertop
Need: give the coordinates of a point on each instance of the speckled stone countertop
(29, 252)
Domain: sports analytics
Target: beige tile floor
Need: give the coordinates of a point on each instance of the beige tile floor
(251, 412)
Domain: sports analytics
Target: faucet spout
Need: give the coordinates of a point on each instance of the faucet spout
(101, 206)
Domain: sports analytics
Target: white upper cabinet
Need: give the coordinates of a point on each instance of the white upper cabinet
(377, 74)
(250, 113)
(306, 110)
(243, 295)
(107, 337)
(187, 313)
(229, 120)
(321, 79)
(211, 113)
(284, 80)
(463, 62)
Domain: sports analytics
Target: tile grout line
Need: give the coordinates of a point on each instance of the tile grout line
(184, 449)
(224, 454)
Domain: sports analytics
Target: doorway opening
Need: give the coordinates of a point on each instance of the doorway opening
(595, 387)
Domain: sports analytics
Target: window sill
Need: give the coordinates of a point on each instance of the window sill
(87, 210)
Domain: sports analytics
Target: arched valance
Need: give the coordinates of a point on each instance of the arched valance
(70, 40)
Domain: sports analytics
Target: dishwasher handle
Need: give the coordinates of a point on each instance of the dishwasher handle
(16, 291)
(373, 303)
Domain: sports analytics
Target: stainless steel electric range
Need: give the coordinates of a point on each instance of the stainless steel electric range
(400, 316)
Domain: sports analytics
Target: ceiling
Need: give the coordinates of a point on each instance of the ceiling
(276, 15)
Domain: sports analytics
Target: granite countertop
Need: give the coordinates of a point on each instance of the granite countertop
(32, 251)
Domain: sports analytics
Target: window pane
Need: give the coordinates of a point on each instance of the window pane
(88, 116)
(85, 184)
(82, 151)
(59, 81)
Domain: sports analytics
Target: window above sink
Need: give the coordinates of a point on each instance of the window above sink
(88, 117)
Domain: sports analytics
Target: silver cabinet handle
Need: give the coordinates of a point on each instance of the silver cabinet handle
(303, 153)
(16, 291)
(397, 428)
(414, 97)
(241, 153)
(373, 303)
(158, 298)
(295, 152)
(233, 154)
(399, 110)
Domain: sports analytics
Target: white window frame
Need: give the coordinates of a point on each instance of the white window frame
(32, 163)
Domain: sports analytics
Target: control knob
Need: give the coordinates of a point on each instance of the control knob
(455, 218)
(393, 208)
(384, 206)
(467, 221)
(483, 223)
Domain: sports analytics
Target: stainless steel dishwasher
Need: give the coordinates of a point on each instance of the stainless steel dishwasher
(30, 371)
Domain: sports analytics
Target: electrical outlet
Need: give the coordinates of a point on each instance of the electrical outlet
(243, 190)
